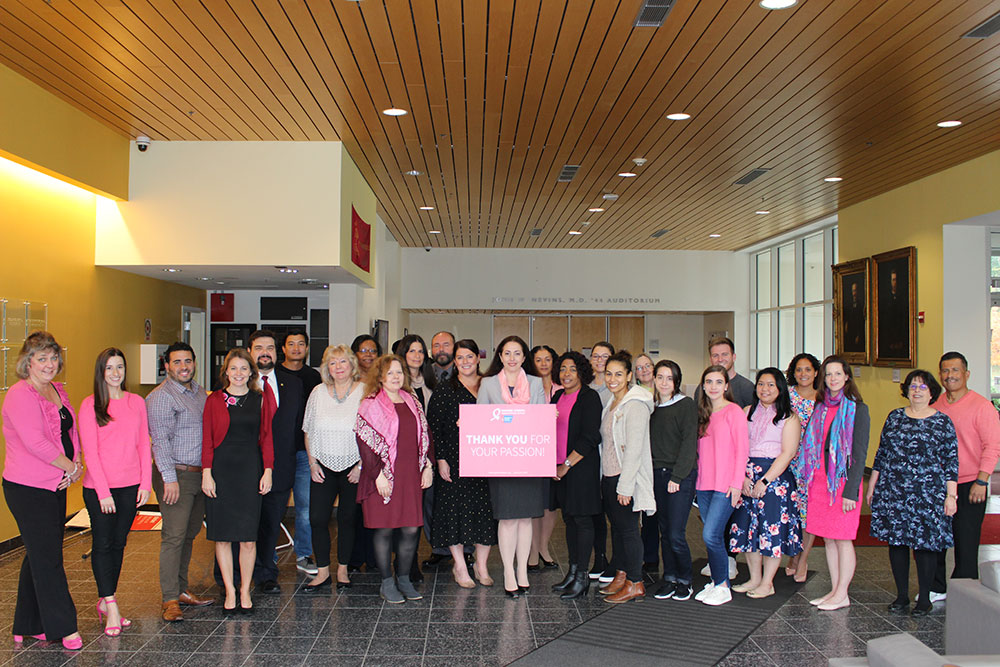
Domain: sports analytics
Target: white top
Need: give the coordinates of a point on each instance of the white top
(330, 427)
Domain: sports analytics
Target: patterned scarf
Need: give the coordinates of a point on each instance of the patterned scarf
(378, 427)
(841, 436)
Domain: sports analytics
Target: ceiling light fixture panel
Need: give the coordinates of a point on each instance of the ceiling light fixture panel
(949, 123)
(678, 116)
(393, 111)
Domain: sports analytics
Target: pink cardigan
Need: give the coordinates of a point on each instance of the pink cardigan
(33, 437)
(117, 454)
(724, 450)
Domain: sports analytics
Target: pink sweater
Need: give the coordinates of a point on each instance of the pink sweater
(724, 450)
(33, 436)
(117, 454)
(978, 427)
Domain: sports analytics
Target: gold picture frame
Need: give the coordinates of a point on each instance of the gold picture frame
(852, 311)
(894, 308)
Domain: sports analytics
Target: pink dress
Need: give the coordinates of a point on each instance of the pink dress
(823, 518)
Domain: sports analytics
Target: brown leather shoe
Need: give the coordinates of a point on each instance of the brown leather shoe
(615, 585)
(190, 599)
(632, 590)
(172, 611)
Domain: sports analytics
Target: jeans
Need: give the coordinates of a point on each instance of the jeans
(716, 509)
(966, 525)
(625, 539)
(672, 510)
(300, 495)
(108, 534)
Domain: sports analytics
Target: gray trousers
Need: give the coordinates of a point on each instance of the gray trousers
(181, 524)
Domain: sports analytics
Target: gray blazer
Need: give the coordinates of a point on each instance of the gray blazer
(490, 394)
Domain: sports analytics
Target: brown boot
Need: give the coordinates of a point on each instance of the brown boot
(632, 590)
(190, 599)
(172, 611)
(615, 585)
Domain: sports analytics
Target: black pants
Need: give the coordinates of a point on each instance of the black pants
(321, 497)
(899, 561)
(600, 536)
(109, 532)
(625, 539)
(43, 600)
(967, 526)
(579, 538)
(650, 539)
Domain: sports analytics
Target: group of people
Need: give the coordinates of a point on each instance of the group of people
(770, 465)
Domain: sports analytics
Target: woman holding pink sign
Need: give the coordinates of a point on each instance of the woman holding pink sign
(516, 500)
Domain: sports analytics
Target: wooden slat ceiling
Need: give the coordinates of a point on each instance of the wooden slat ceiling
(502, 94)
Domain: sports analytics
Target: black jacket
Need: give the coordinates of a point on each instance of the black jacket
(286, 427)
(579, 492)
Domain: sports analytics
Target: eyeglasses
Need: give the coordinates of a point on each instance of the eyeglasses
(644, 367)
(367, 350)
(600, 356)
(918, 387)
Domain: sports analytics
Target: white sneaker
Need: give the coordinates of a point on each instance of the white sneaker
(705, 591)
(706, 571)
(938, 597)
(732, 568)
(717, 596)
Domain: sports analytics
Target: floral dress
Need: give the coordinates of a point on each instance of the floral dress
(803, 408)
(915, 459)
(769, 524)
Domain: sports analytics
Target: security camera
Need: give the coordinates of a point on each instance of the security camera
(427, 248)
(142, 143)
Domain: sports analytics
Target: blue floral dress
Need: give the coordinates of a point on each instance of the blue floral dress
(915, 460)
(803, 408)
(769, 524)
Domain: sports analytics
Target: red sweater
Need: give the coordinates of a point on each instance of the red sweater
(215, 425)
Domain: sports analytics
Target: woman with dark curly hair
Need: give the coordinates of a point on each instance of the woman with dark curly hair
(578, 489)
(542, 527)
(913, 490)
(803, 381)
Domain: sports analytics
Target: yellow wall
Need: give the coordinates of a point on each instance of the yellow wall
(38, 129)
(49, 230)
(914, 215)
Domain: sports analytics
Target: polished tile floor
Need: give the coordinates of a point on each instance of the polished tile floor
(450, 626)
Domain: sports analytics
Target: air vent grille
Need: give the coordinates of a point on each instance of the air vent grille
(568, 172)
(653, 13)
(659, 232)
(537, 231)
(752, 175)
(987, 29)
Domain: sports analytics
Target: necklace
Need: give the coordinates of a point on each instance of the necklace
(238, 401)
(338, 398)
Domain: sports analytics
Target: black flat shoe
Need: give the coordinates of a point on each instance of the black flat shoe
(512, 594)
(229, 611)
(921, 611)
(548, 564)
(534, 568)
(309, 589)
(341, 585)
(524, 590)
(246, 611)
(899, 606)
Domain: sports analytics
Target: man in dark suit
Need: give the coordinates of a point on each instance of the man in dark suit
(287, 423)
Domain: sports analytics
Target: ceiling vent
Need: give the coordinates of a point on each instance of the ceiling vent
(568, 172)
(659, 232)
(537, 231)
(752, 175)
(653, 13)
(987, 29)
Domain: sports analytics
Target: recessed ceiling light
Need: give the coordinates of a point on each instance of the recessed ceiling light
(220, 282)
(205, 279)
(285, 269)
(761, 212)
(426, 208)
(171, 270)
(714, 236)
(595, 210)
(678, 116)
(949, 123)
(575, 233)
(412, 172)
(626, 174)
(585, 223)
(833, 179)
(394, 112)
(778, 4)
(434, 231)
(609, 196)
(326, 285)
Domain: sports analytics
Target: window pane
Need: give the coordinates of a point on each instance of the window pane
(813, 330)
(786, 336)
(763, 340)
(764, 280)
(812, 268)
(836, 246)
(786, 275)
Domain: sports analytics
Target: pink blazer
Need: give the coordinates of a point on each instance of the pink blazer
(34, 440)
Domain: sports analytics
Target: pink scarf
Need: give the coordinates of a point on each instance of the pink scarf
(378, 427)
(522, 390)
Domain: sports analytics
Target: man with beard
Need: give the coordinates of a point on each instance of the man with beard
(443, 352)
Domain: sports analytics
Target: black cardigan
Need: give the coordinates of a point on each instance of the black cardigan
(673, 437)
(579, 491)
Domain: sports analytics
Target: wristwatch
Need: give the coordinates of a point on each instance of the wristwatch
(568, 463)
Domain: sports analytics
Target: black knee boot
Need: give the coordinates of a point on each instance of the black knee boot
(564, 584)
(578, 588)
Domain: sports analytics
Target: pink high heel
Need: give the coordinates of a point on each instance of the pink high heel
(19, 639)
(111, 630)
(72, 644)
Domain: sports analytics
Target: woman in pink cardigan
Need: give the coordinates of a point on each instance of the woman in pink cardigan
(115, 440)
(42, 459)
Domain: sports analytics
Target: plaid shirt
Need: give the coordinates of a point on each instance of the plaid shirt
(175, 426)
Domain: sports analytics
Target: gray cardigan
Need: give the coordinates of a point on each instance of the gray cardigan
(630, 428)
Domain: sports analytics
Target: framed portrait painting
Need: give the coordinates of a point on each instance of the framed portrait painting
(894, 299)
(851, 310)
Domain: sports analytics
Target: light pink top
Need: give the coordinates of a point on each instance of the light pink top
(119, 453)
(723, 451)
(765, 435)
(563, 407)
(33, 436)
(978, 430)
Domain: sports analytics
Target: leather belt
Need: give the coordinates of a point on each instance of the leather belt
(185, 468)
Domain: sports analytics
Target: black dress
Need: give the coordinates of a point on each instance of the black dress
(234, 514)
(578, 493)
(462, 510)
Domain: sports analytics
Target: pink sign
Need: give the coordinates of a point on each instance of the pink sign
(507, 440)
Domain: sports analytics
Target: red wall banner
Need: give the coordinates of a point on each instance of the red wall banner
(361, 242)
